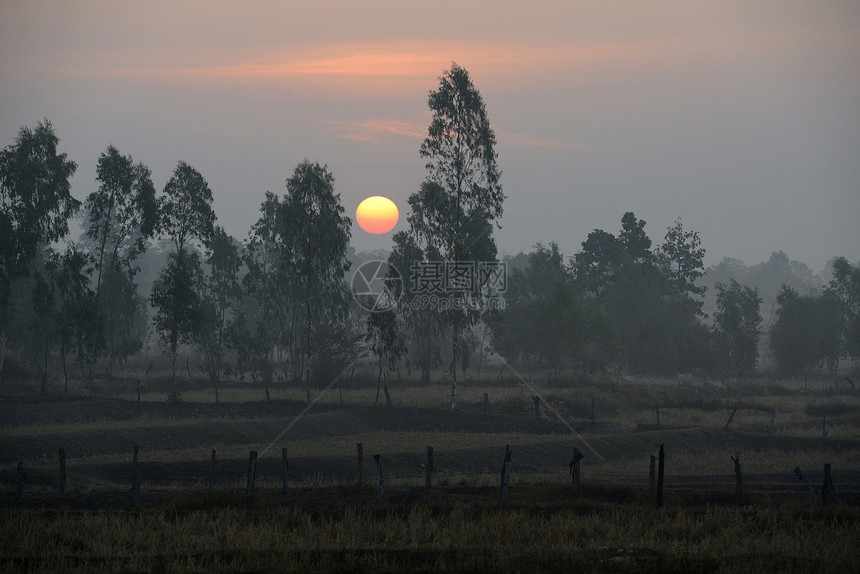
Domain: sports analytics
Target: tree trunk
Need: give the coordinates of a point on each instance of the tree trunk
(454, 366)
(378, 382)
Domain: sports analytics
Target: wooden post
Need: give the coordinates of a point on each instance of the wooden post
(212, 470)
(359, 473)
(731, 418)
(19, 483)
(537, 406)
(387, 397)
(285, 468)
(574, 466)
(657, 410)
(380, 491)
(428, 468)
(739, 487)
(135, 487)
(802, 478)
(138, 390)
(828, 493)
(506, 472)
(652, 473)
(268, 398)
(661, 464)
(487, 411)
(61, 455)
(252, 470)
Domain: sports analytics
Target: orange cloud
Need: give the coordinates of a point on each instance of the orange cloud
(373, 67)
(374, 130)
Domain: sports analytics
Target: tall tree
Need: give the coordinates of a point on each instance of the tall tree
(685, 254)
(466, 192)
(315, 235)
(186, 217)
(268, 315)
(421, 322)
(221, 292)
(122, 215)
(845, 288)
(385, 340)
(35, 206)
(794, 335)
(737, 325)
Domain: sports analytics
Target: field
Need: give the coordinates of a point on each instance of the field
(327, 522)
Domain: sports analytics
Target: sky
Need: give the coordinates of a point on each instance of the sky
(740, 117)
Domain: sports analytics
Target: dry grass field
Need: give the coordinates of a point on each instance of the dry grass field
(326, 522)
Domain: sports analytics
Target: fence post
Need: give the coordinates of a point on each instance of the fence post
(268, 398)
(252, 470)
(652, 472)
(506, 472)
(574, 466)
(285, 467)
(380, 491)
(730, 419)
(387, 397)
(359, 473)
(661, 463)
(828, 493)
(428, 469)
(537, 406)
(20, 476)
(739, 488)
(487, 411)
(212, 470)
(61, 455)
(135, 487)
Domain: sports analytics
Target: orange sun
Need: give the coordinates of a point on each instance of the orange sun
(377, 214)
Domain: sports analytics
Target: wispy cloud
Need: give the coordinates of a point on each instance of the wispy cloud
(374, 130)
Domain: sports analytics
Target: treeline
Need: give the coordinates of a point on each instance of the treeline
(278, 306)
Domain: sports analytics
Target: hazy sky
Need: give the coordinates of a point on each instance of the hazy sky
(741, 117)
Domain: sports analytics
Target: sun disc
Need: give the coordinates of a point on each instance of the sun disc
(377, 214)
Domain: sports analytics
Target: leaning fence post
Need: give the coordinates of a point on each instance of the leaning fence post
(380, 491)
(20, 476)
(359, 473)
(387, 397)
(428, 469)
(285, 467)
(574, 466)
(661, 463)
(61, 455)
(739, 488)
(487, 411)
(506, 472)
(828, 493)
(136, 478)
(252, 470)
(212, 470)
